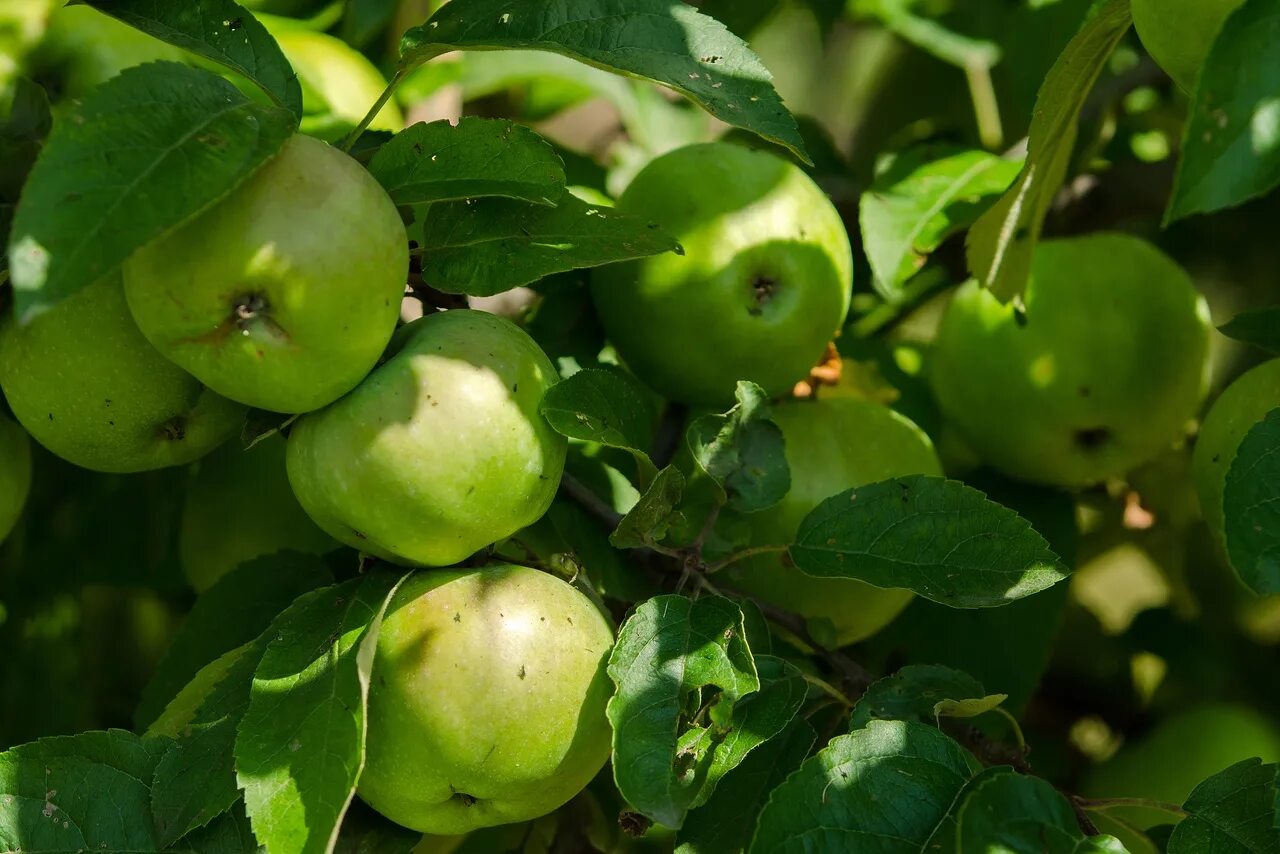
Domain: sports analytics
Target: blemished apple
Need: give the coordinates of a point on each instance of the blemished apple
(441, 451)
(15, 473)
(1242, 405)
(487, 699)
(87, 386)
(339, 85)
(762, 287)
(1103, 372)
(832, 445)
(238, 505)
(1179, 33)
(1180, 753)
(283, 295)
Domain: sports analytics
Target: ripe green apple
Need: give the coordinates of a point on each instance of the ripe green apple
(85, 384)
(487, 699)
(441, 451)
(284, 294)
(832, 445)
(239, 506)
(15, 473)
(339, 85)
(1244, 403)
(1179, 33)
(762, 287)
(1180, 753)
(1102, 373)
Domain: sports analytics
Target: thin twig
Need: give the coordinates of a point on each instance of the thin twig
(743, 555)
(589, 501)
(350, 140)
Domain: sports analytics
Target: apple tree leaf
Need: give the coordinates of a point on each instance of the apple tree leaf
(652, 517)
(366, 831)
(1251, 507)
(674, 656)
(1231, 142)
(487, 246)
(233, 612)
(913, 694)
(300, 745)
(1014, 812)
(85, 792)
(229, 833)
(836, 801)
(220, 30)
(918, 200)
(724, 822)
(605, 405)
(1260, 327)
(140, 155)
(939, 538)
(742, 451)
(477, 157)
(1233, 812)
(1002, 242)
(669, 43)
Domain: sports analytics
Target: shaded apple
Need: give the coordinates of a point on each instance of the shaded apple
(487, 699)
(441, 451)
(15, 473)
(339, 85)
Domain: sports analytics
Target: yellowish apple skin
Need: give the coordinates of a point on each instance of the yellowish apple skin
(441, 451)
(1105, 371)
(763, 286)
(832, 445)
(339, 85)
(487, 699)
(283, 295)
(1179, 33)
(15, 473)
(1179, 754)
(87, 386)
(1242, 405)
(239, 506)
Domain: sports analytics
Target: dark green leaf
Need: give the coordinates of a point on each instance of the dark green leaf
(1017, 814)
(1232, 812)
(142, 154)
(669, 43)
(917, 201)
(229, 833)
(362, 20)
(742, 451)
(1261, 328)
(1251, 507)
(25, 126)
(477, 157)
(300, 745)
(913, 694)
(605, 405)
(365, 831)
(648, 522)
(1002, 242)
(838, 800)
(587, 541)
(673, 656)
(493, 245)
(86, 792)
(233, 612)
(725, 821)
(220, 30)
(1231, 145)
(942, 539)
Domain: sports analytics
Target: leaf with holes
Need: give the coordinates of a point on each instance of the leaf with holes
(142, 154)
(1251, 507)
(668, 43)
(942, 539)
(742, 451)
(477, 157)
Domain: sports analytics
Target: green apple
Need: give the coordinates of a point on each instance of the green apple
(761, 289)
(239, 506)
(831, 446)
(15, 473)
(1244, 403)
(1178, 754)
(85, 384)
(339, 85)
(487, 699)
(284, 294)
(1102, 373)
(441, 451)
(1179, 33)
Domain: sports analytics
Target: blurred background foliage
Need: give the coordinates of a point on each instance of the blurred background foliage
(1153, 622)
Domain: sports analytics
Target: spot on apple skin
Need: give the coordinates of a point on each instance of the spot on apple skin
(175, 429)
(1092, 439)
(763, 288)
